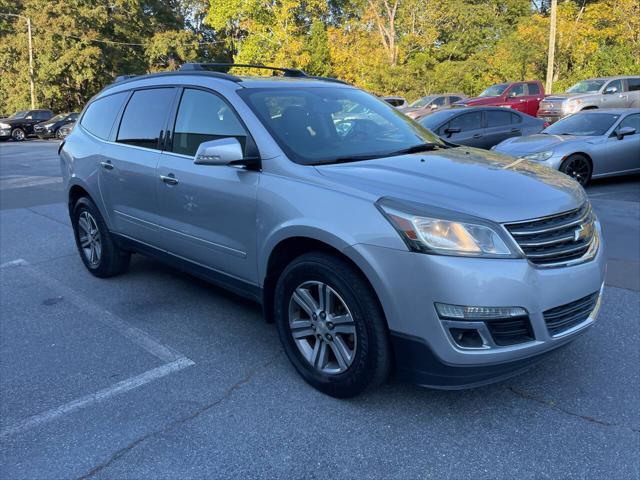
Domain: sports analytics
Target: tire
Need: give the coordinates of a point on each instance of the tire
(358, 326)
(102, 258)
(59, 135)
(18, 135)
(578, 167)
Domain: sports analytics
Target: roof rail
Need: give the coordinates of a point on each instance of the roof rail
(225, 67)
(120, 78)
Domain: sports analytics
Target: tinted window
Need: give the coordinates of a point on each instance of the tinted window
(517, 91)
(534, 88)
(468, 121)
(144, 117)
(634, 84)
(632, 121)
(515, 118)
(43, 115)
(318, 125)
(440, 101)
(101, 113)
(583, 124)
(203, 116)
(497, 119)
(615, 86)
(454, 99)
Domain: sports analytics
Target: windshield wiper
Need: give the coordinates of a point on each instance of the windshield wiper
(423, 147)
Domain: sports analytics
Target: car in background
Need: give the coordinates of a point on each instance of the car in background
(429, 104)
(51, 127)
(605, 92)
(590, 144)
(522, 96)
(65, 130)
(398, 102)
(20, 125)
(480, 127)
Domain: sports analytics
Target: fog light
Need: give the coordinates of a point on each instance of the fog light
(466, 337)
(460, 312)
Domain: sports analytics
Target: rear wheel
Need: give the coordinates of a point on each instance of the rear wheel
(96, 245)
(331, 325)
(577, 167)
(59, 135)
(18, 135)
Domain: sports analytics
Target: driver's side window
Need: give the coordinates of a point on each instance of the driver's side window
(632, 121)
(203, 116)
(614, 87)
(516, 91)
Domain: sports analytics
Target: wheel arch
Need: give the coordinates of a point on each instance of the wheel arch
(78, 189)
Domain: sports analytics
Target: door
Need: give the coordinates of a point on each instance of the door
(613, 95)
(128, 178)
(30, 120)
(534, 96)
(499, 126)
(633, 86)
(517, 97)
(471, 131)
(208, 213)
(624, 154)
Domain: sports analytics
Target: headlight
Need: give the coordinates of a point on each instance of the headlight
(5, 125)
(444, 236)
(540, 156)
(571, 106)
(48, 125)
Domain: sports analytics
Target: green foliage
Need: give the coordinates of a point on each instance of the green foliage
(403, 47)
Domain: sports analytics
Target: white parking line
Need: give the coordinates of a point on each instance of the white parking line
(174, 360)
(13, 181)
(118, 388)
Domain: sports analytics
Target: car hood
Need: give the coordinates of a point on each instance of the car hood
(518, 146)
(466, 180)
(557, 97)
(479, 101)
(12, 121)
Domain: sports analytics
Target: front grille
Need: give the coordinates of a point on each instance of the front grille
(510, 331)
(564, 317)
(557, 239)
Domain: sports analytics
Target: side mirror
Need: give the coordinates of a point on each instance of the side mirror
(624, 131)
(450, 131)
(223, 151)
(433, 106)
(610, 90)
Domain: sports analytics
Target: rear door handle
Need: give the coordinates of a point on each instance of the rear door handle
(107, 165)
(515, 130)
(169, 179)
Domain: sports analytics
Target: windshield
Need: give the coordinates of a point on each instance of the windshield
(583, 124)
(586, 86)
(61, 116)
(494, 90)
(20, 114)
(421, 102)
(334, 124)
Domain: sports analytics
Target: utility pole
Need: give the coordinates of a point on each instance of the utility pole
(32, 86)
(552, 46)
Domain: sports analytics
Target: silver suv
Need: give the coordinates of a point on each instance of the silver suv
(605, 92)
(371, 243)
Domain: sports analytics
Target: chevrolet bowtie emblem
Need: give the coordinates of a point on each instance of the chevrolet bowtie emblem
(579, 233)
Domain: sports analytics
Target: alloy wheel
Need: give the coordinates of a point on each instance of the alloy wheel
(18, 135)
(578, 168)
(322, 327)
(89, 238)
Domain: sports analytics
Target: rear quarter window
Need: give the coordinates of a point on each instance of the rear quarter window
(634, 84)
(101, 114)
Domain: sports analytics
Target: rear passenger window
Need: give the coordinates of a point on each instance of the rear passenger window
(497, 119)
(515, 118)
(101, 113)
(634, 84)
(534, 88)
(203, 116)
(144, 117)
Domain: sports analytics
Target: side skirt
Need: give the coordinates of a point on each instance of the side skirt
(239, 287)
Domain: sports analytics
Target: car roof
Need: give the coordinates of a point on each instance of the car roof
(615, 77)
(616, 111)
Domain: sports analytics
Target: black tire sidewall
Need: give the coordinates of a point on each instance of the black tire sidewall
(23, 133)
(571, 158)
(358, 297)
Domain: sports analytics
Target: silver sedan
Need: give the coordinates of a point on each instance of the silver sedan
(589, 144)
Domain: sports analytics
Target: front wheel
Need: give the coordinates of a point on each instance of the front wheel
(331, 325)
(96, 245)
(18, 135)
(577, 167)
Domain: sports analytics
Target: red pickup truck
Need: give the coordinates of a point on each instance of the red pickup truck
(522, 96)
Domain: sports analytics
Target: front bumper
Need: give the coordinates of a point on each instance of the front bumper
(5, 133)
(408, 284)
(44, 132)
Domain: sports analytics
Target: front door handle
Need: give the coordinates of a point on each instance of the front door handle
(477, 135)
(107, 165)
(515, 130)
(169, 179)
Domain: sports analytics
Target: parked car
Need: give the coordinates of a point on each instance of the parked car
(590, 144)
(429, 104)
(398, 102)
(20, 125)
(522, 96)
(481, 127)
(368, 247)
(51, 127)
(605, 92)
(65, 130)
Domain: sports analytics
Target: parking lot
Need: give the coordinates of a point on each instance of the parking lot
(155, 374)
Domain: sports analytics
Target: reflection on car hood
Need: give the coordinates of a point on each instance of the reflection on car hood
(540, 142)
(467, 180)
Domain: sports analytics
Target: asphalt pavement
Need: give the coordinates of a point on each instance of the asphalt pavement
(155, 374)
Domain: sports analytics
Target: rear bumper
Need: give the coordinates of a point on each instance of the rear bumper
(550, 116)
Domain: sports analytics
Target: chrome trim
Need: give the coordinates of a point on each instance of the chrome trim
(547, 242)
(558, 252)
